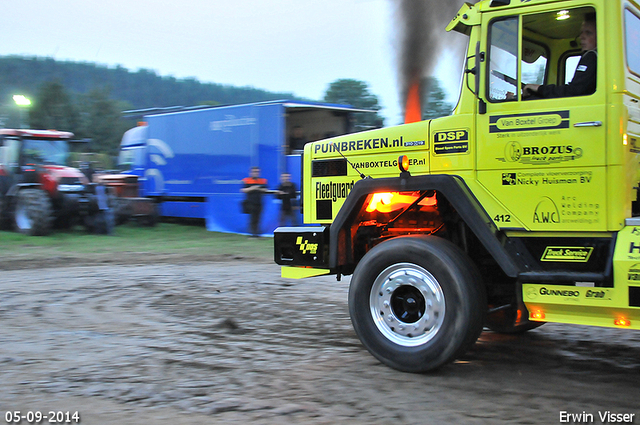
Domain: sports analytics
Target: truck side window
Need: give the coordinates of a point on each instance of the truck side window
(570, 65)
(534, 62)
(570, 54)
(12, 153)
(503, 60)
(632, 35)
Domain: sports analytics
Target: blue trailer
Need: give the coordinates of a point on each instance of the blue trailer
(193, 160)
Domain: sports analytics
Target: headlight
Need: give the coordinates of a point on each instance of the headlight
(70, 188)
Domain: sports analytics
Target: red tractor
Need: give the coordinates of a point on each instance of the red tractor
(37, 190)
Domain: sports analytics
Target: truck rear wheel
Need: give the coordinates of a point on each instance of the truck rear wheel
(33, 213)
(417, 303)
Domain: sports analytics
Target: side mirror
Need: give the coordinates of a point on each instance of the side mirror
(475, 70)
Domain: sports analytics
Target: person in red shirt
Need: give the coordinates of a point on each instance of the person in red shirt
(254, 187)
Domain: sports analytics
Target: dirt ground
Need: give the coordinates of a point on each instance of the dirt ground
(183, 340)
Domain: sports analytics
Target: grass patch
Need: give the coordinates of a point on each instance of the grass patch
(165, 238)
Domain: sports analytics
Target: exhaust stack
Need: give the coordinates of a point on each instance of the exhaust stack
(420, 41)
(413, 107)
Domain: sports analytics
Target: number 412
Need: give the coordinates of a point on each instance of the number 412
(502, 218)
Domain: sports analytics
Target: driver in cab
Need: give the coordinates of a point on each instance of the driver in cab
(584, 79)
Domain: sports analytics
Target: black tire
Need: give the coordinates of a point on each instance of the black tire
(64, 222)
(417, 303)
(33, 213)
(151, 219)
(89, 223)
(5, 217)
(122, 210)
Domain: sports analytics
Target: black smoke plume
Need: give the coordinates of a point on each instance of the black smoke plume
(422, 38)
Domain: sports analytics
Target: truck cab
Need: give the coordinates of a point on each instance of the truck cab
(516, 210)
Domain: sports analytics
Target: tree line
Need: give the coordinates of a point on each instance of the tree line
(88, 99)
(141, 89)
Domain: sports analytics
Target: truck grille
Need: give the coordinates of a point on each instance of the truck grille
(70, 180)
(70, 184)
(634, 296)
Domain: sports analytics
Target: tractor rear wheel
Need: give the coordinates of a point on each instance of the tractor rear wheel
(33, 213)
(417, 303)
(5, 220)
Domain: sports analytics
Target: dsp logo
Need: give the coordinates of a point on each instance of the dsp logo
(451, 142)
(451, 136)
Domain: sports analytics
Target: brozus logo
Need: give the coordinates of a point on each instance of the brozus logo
(514, 151)
(547, 150)
(540, 155)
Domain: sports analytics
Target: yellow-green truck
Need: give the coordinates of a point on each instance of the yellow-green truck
(518, 209)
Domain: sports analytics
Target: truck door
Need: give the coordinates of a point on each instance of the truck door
(542, 158)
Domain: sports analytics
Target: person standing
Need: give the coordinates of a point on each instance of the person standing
(254, 187)
(287, 193)
(103, 222)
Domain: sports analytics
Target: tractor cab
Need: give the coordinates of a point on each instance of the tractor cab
(21, 151)
(37, 188)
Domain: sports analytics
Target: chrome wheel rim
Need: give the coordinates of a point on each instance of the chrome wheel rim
(407, 304)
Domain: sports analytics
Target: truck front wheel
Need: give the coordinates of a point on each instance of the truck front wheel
(417, 303)
(33, 213)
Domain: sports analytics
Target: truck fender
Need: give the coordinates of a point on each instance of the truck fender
(13, 191)
(452, 187)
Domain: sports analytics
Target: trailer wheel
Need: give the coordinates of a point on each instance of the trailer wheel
(417, 303)
(150, 219)
(122, 209)
(33, 213)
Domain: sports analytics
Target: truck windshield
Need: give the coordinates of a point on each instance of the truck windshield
(131, 158)
(45, 151)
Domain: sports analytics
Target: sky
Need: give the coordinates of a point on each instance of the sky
(296, 46)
